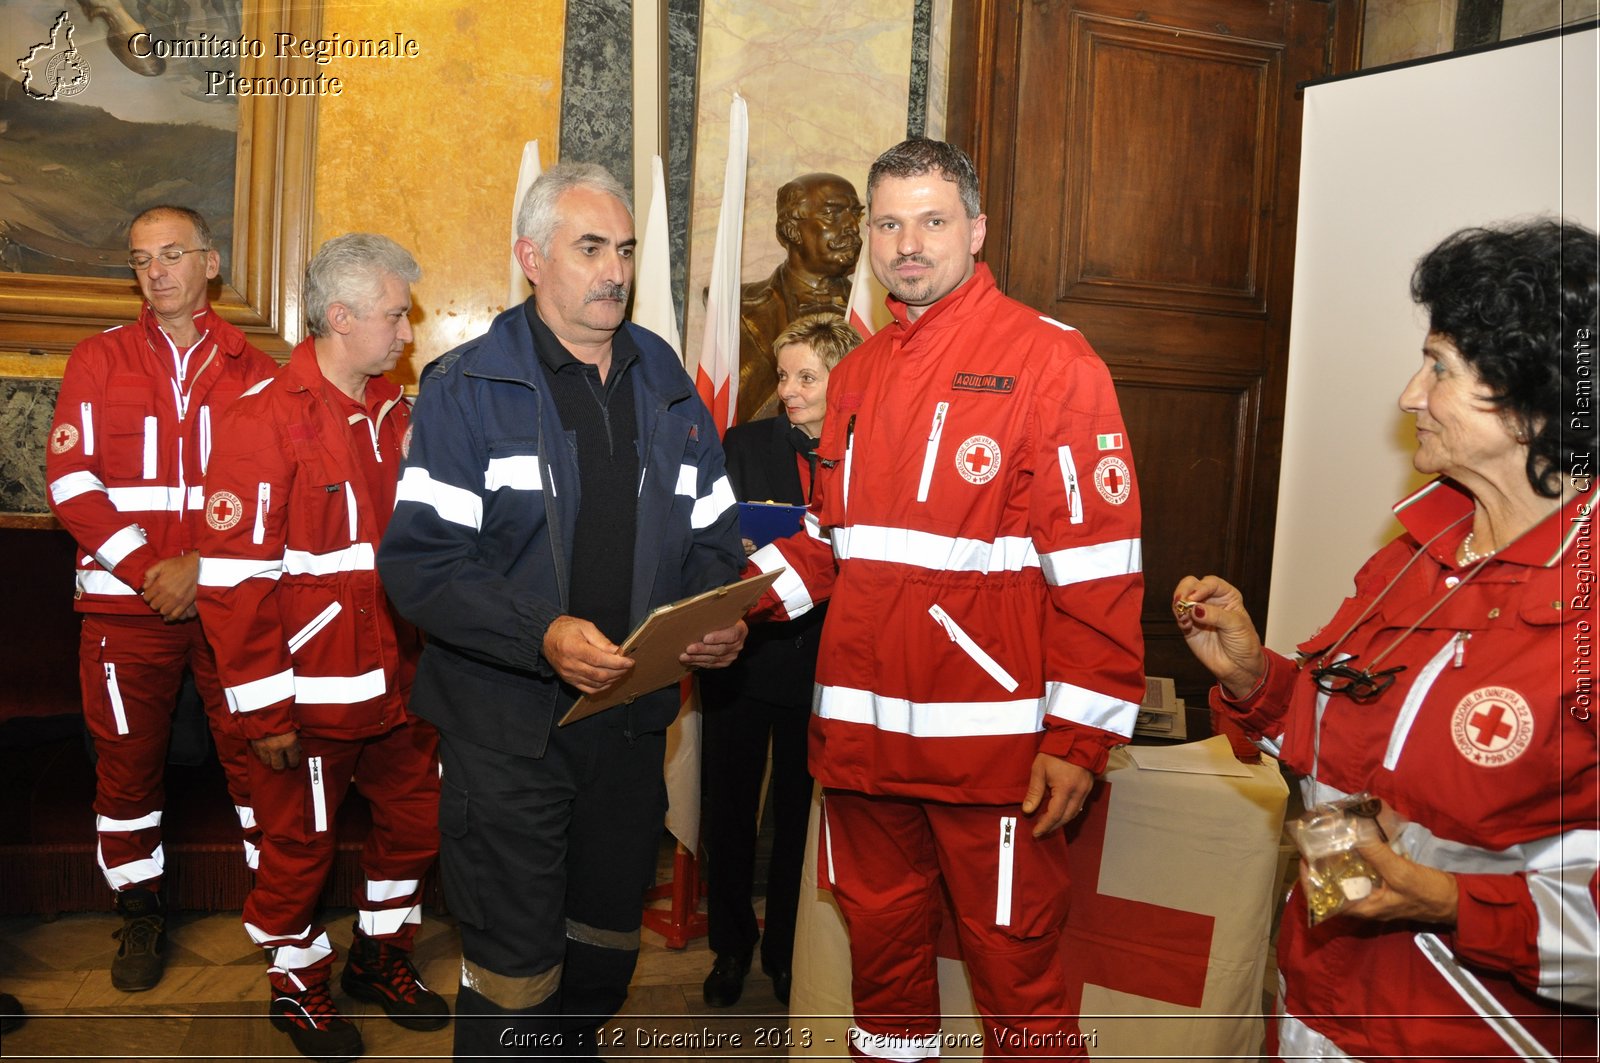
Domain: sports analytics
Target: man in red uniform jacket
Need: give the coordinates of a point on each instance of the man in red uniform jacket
(130, 443)
(315, 664)
(976, 530)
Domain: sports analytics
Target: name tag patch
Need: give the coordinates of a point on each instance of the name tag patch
(1002, 385)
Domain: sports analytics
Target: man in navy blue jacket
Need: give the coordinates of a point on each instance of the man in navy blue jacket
(562, 479)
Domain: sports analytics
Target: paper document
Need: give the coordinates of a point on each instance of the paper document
(670, 629)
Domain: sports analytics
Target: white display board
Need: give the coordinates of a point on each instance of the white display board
(1392, 162)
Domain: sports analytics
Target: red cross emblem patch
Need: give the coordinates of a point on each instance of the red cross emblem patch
(1113, 480)
(978, 459)
(1492, 726)
(224, 510)
(63, 439)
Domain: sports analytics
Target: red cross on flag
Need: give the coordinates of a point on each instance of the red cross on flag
(1175, 872)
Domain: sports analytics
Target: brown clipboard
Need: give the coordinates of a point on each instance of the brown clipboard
(658, 640)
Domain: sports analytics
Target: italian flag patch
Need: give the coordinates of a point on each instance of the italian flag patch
(1109, 441)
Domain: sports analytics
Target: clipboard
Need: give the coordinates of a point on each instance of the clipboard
(658, 640)
(762, 522)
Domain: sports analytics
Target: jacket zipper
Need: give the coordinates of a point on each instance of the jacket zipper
(318, 622)
(931, 453)
(972, 649)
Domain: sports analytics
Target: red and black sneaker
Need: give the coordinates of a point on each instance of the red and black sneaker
(315, 1026)
(382, 974)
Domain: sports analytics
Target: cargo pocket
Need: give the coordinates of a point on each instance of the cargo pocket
(458, 855)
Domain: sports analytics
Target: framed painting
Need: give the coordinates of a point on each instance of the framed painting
(113, 106)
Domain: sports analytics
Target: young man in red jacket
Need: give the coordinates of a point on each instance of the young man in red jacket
(316, 665)
(982, 651)
(129, 447)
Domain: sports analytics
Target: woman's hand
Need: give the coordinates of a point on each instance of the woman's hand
(1409, 890)
(1212, 617)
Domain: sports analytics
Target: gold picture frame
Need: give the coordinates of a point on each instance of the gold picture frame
(48, 314)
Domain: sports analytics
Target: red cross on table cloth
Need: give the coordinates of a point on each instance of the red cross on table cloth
(1133, 947)
(1489, 725)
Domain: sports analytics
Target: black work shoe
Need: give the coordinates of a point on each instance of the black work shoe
(725, 984)
(782, 982)
(139, 962)
(382, 974)
(315, 1026)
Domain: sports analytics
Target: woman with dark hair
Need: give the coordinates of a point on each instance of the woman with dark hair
(1456, 686)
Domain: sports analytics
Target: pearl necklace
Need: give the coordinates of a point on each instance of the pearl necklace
(1468, 554)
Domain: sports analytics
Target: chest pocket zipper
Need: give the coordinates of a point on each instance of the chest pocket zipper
(972, 649)
(931, 454)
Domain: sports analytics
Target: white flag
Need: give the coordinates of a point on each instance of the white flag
(652, 276)
(866, 312)
(717, 377)
(527, 173)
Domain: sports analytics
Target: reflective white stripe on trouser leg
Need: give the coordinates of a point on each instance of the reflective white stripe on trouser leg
(319, 799)
(134, 871)
(287, 959)
(1008, 849)
(114, 694)
(387, 921)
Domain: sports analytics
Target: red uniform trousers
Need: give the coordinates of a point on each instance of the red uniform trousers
(398, 773)
(130, 669)
(887, 857)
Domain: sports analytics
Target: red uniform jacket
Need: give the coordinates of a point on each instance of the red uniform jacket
(304, 635)
(976, 527)
(129, 448)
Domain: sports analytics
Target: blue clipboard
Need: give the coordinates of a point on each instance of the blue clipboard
(762, 522)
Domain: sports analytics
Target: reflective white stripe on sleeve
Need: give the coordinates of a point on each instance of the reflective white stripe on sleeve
(114, 696)
(232, 571)
(319, 797)
(259, 693)
(519, 472)
(74, 484)
(1080, 564)
(454, 504)
(1560, 870)
(930, 719)
(940, 553)
(86, 416)
(93, 581)
(387, 920)
(789, 587)
(152, 438)
(1080, 705)
(358, 557)
(134, 871)
(1069, 480)
(107, 825)
(340, 689)
(318, 622)
(197, 498)
(147, 499)
(708, 510)
(895, 1047)
(688, 484)
(115, 550)
(380, 890)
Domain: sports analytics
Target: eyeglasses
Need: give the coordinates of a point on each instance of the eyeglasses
(141, 262)
(1358, 684)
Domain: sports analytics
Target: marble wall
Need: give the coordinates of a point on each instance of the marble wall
(1397, 30)
(426, 150)
(827, 83)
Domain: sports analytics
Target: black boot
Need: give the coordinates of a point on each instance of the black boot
(314, 1024)
(382, 974)
(725, 984)
(139, 962)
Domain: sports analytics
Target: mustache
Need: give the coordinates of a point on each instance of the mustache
(608, 293)
(919, 260)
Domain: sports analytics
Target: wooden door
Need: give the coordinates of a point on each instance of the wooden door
(1140, 163)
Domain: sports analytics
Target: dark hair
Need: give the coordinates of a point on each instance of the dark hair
(919, 155)
(202, 231)
(829, 336)
(1518, 301)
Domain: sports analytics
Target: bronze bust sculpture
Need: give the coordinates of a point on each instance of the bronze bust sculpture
(819, 225)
